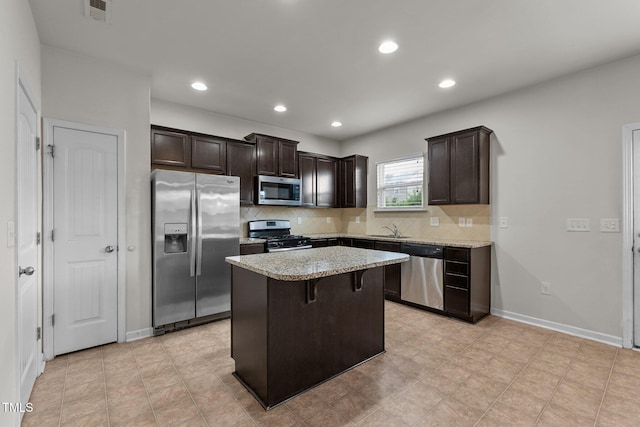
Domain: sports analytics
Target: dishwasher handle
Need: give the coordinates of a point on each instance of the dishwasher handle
(425, 251)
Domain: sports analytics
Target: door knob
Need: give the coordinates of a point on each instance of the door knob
(108, 249)
(28, 271)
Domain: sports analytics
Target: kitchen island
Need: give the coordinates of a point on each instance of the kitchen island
(302, 317)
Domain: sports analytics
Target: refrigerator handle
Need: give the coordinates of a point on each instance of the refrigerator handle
(199, 234)
(192, 235)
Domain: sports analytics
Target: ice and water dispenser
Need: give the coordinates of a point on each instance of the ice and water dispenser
(175, 238)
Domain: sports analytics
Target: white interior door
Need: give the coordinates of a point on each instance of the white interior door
(85, 244)
(636, 237)
(27, 243)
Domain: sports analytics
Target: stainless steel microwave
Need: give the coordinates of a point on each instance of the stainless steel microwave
(275, 190)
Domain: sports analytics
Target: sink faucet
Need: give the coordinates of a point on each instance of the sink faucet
(394, 230)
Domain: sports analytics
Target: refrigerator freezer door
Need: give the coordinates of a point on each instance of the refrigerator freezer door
(174, 282)
(218, 201)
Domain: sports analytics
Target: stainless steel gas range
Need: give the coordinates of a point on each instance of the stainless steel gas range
(278, 235)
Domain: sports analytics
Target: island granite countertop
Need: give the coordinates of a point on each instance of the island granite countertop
(315, 263)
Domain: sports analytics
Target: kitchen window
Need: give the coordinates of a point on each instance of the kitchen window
(401, 183)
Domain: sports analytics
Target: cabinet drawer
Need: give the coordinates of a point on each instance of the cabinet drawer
(333, 242)
(387, 246)
(456, 301)
(319, 243)
(362, 243)
(456, 280)
(456, 267)
(457, 254)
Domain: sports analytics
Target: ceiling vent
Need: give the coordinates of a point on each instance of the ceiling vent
(100, 10)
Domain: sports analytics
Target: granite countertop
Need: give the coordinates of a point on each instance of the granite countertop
(423, 240)
(314, 263)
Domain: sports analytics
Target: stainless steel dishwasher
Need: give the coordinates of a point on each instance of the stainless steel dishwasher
(422, 279)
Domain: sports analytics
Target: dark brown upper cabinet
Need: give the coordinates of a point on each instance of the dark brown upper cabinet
(194, 152)
(319, 176)
(353, 182)
(459, 167)
(170, 148)
(209, 153)
(241, 162)
(275, 156)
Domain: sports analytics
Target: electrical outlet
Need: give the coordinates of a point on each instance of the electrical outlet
(504, 222)
(299, 220)
(357, 220)
(435, 221)
(610, 225)
(545, 288)
(578, 224)
(462, 222)
(328, 220)
(469, 222)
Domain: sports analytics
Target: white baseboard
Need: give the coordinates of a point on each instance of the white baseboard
(559, 327)
(139, 334)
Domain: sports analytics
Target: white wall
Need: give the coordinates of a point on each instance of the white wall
(178, 116)
(555, 153)
(19, 43)
(86, 90)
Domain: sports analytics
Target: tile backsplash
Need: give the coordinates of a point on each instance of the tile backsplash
(369, 221)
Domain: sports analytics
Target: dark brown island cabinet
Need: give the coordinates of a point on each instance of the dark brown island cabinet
(467, 282)
(319, 176)
(275, 156)
(459, 167)
(289, 336)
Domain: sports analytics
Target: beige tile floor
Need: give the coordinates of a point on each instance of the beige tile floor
(436, 371)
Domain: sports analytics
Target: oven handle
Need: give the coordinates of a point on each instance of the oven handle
(295, 248)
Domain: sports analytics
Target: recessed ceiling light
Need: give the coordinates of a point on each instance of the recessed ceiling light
(199, 86)
(447, 83)
(280, 108)
(388, 47)
(336, 124)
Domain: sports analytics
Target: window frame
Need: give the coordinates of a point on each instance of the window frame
(423, 205)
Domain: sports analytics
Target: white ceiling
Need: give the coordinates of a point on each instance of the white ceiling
(320, 58)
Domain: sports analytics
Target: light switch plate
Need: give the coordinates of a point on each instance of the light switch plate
(578, 224)
(610, 225)
(328, 220)
(11, 234)
(504, 222)
(469, 222)
(357, 220)
(435, 221)
(462, 222)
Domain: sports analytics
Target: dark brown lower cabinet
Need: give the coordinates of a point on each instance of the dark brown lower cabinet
(392, 273)
(251, 248)
(288, 336)
(467, 282)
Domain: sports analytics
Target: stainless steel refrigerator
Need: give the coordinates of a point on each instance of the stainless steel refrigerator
(195, 225)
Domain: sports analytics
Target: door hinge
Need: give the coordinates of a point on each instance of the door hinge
(38, 333)
(53, 319)
(37, 143)
(52, 150)
(52, 236)
(38, 238)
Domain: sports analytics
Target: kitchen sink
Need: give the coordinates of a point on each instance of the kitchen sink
(388, 236)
